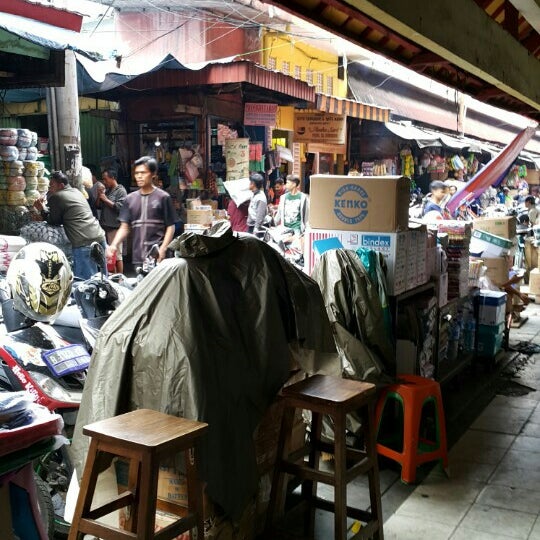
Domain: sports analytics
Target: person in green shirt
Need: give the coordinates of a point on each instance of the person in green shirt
(293, 206)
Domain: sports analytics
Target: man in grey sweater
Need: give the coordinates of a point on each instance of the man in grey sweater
(68, 207)
(258, 204)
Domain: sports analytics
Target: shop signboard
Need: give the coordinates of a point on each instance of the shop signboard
(319, 127)
(297, 165)
(237, 158)
(260, 114)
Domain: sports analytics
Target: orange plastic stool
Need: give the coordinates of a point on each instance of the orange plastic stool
(413, 393)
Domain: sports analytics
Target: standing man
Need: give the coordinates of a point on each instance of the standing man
(110, 200)
(258, 204)
(532, 211)
(68, 207)
(148, 212)
(437, 195)
(293, 206)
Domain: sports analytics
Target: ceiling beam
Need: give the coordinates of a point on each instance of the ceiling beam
(480, 47)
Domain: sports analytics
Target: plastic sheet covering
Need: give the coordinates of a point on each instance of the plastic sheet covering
(354, 308)
(209, 336)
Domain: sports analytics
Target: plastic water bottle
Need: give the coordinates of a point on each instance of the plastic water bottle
(469, 335)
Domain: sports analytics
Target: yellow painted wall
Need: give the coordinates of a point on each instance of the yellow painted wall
(40, 107)
(280, 48)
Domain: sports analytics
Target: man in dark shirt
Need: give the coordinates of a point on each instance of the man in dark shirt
(68, 207)
(148, 212)
(110, 200)
(437, 195)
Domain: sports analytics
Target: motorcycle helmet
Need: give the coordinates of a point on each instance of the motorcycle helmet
(40, 279)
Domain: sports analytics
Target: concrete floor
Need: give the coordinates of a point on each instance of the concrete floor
(493, 491)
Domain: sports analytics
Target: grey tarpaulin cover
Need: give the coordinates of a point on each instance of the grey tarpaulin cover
(354, 308)
(209, 336)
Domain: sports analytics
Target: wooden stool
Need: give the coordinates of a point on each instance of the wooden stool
(145, 437)
(335, 397)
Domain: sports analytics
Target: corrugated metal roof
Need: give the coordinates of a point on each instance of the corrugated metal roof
(212, 74)
(45, 35)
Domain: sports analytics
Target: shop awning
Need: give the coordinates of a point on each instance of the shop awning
(412, 133)
(349, 107)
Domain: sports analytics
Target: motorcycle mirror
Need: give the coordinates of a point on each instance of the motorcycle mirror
(97, 254)
(154, 251)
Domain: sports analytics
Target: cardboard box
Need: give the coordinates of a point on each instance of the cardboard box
(406, 357)
(172, 486)
(497, 269)
(534, 281)
(491, 307)
(489, 340)
(393, 246)
(504, 226)
(484, 244)
(354, 203)
(533, 176)
(200, 217)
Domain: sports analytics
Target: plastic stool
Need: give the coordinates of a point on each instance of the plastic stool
(413, 393)
(144, 437)
(335, 397)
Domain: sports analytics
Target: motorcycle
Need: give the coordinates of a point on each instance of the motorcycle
(37, 357)
(149, 263)
(284, 241)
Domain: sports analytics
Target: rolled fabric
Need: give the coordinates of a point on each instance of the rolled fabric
(3, 196)
(31, 182)
(31, 153)
(16, 183)
(8, 136)
(16, 198)
(31, 168)
(43, 185)
(24, 138)
(33, 138)
(22, 153)
(9, 153)
(32, 195)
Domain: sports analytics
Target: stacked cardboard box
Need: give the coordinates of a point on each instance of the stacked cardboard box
(493, 241)
(456, 246)
(372, 213)
(491, 307)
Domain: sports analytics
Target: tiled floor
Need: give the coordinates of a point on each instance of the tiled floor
(493, 491)
(494, 486)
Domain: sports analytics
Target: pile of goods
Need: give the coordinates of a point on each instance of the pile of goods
(22, 178)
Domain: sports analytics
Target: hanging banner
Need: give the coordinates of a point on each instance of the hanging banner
(237, 158)
(316, 127)
(260, 114)
(297, 164)
(492, 173)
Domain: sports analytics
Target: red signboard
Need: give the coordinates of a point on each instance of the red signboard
(260, 114)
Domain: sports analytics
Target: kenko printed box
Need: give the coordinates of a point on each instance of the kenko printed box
(359, 203)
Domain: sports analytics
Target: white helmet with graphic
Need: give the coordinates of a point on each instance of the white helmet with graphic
(40, 278)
